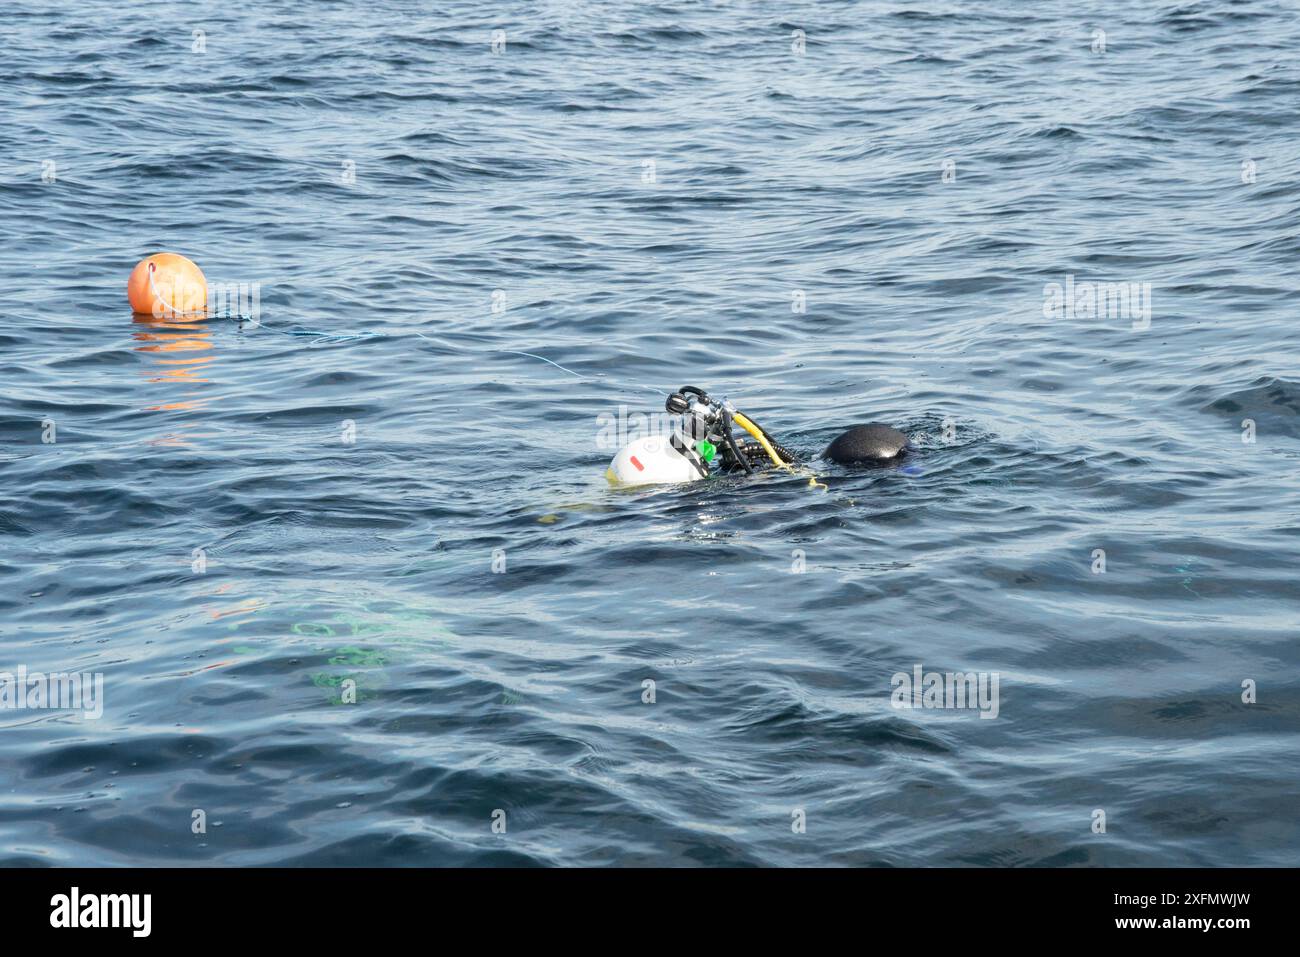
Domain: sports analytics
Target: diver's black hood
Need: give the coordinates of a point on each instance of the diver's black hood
(872, 443)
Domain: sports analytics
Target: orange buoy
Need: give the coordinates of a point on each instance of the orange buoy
(168, 286)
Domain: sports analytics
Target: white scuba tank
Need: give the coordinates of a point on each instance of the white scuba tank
(657, 459)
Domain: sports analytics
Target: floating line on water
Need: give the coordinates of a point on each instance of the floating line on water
(321, 337)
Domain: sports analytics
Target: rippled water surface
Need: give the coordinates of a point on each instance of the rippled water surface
(645, 188)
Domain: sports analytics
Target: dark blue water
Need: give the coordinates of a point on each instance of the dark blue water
(377, 168)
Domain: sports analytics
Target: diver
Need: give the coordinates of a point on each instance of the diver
(704, 443)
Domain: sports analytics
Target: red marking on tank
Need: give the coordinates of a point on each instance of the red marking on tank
(639, 466)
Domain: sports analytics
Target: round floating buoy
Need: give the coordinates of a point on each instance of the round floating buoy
(168, 286)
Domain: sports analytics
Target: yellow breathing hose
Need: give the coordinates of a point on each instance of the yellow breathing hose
(757, 433)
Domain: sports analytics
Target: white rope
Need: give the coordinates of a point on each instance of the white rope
(174, 311)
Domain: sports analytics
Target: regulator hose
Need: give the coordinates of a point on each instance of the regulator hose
(731, 443)
(768, 446)
(784, 459)
(781, 450)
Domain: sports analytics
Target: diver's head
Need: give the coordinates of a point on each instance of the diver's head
(871, 444)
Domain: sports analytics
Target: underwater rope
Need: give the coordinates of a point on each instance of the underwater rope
(185, 272)
(322, 337)
(328, 337)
